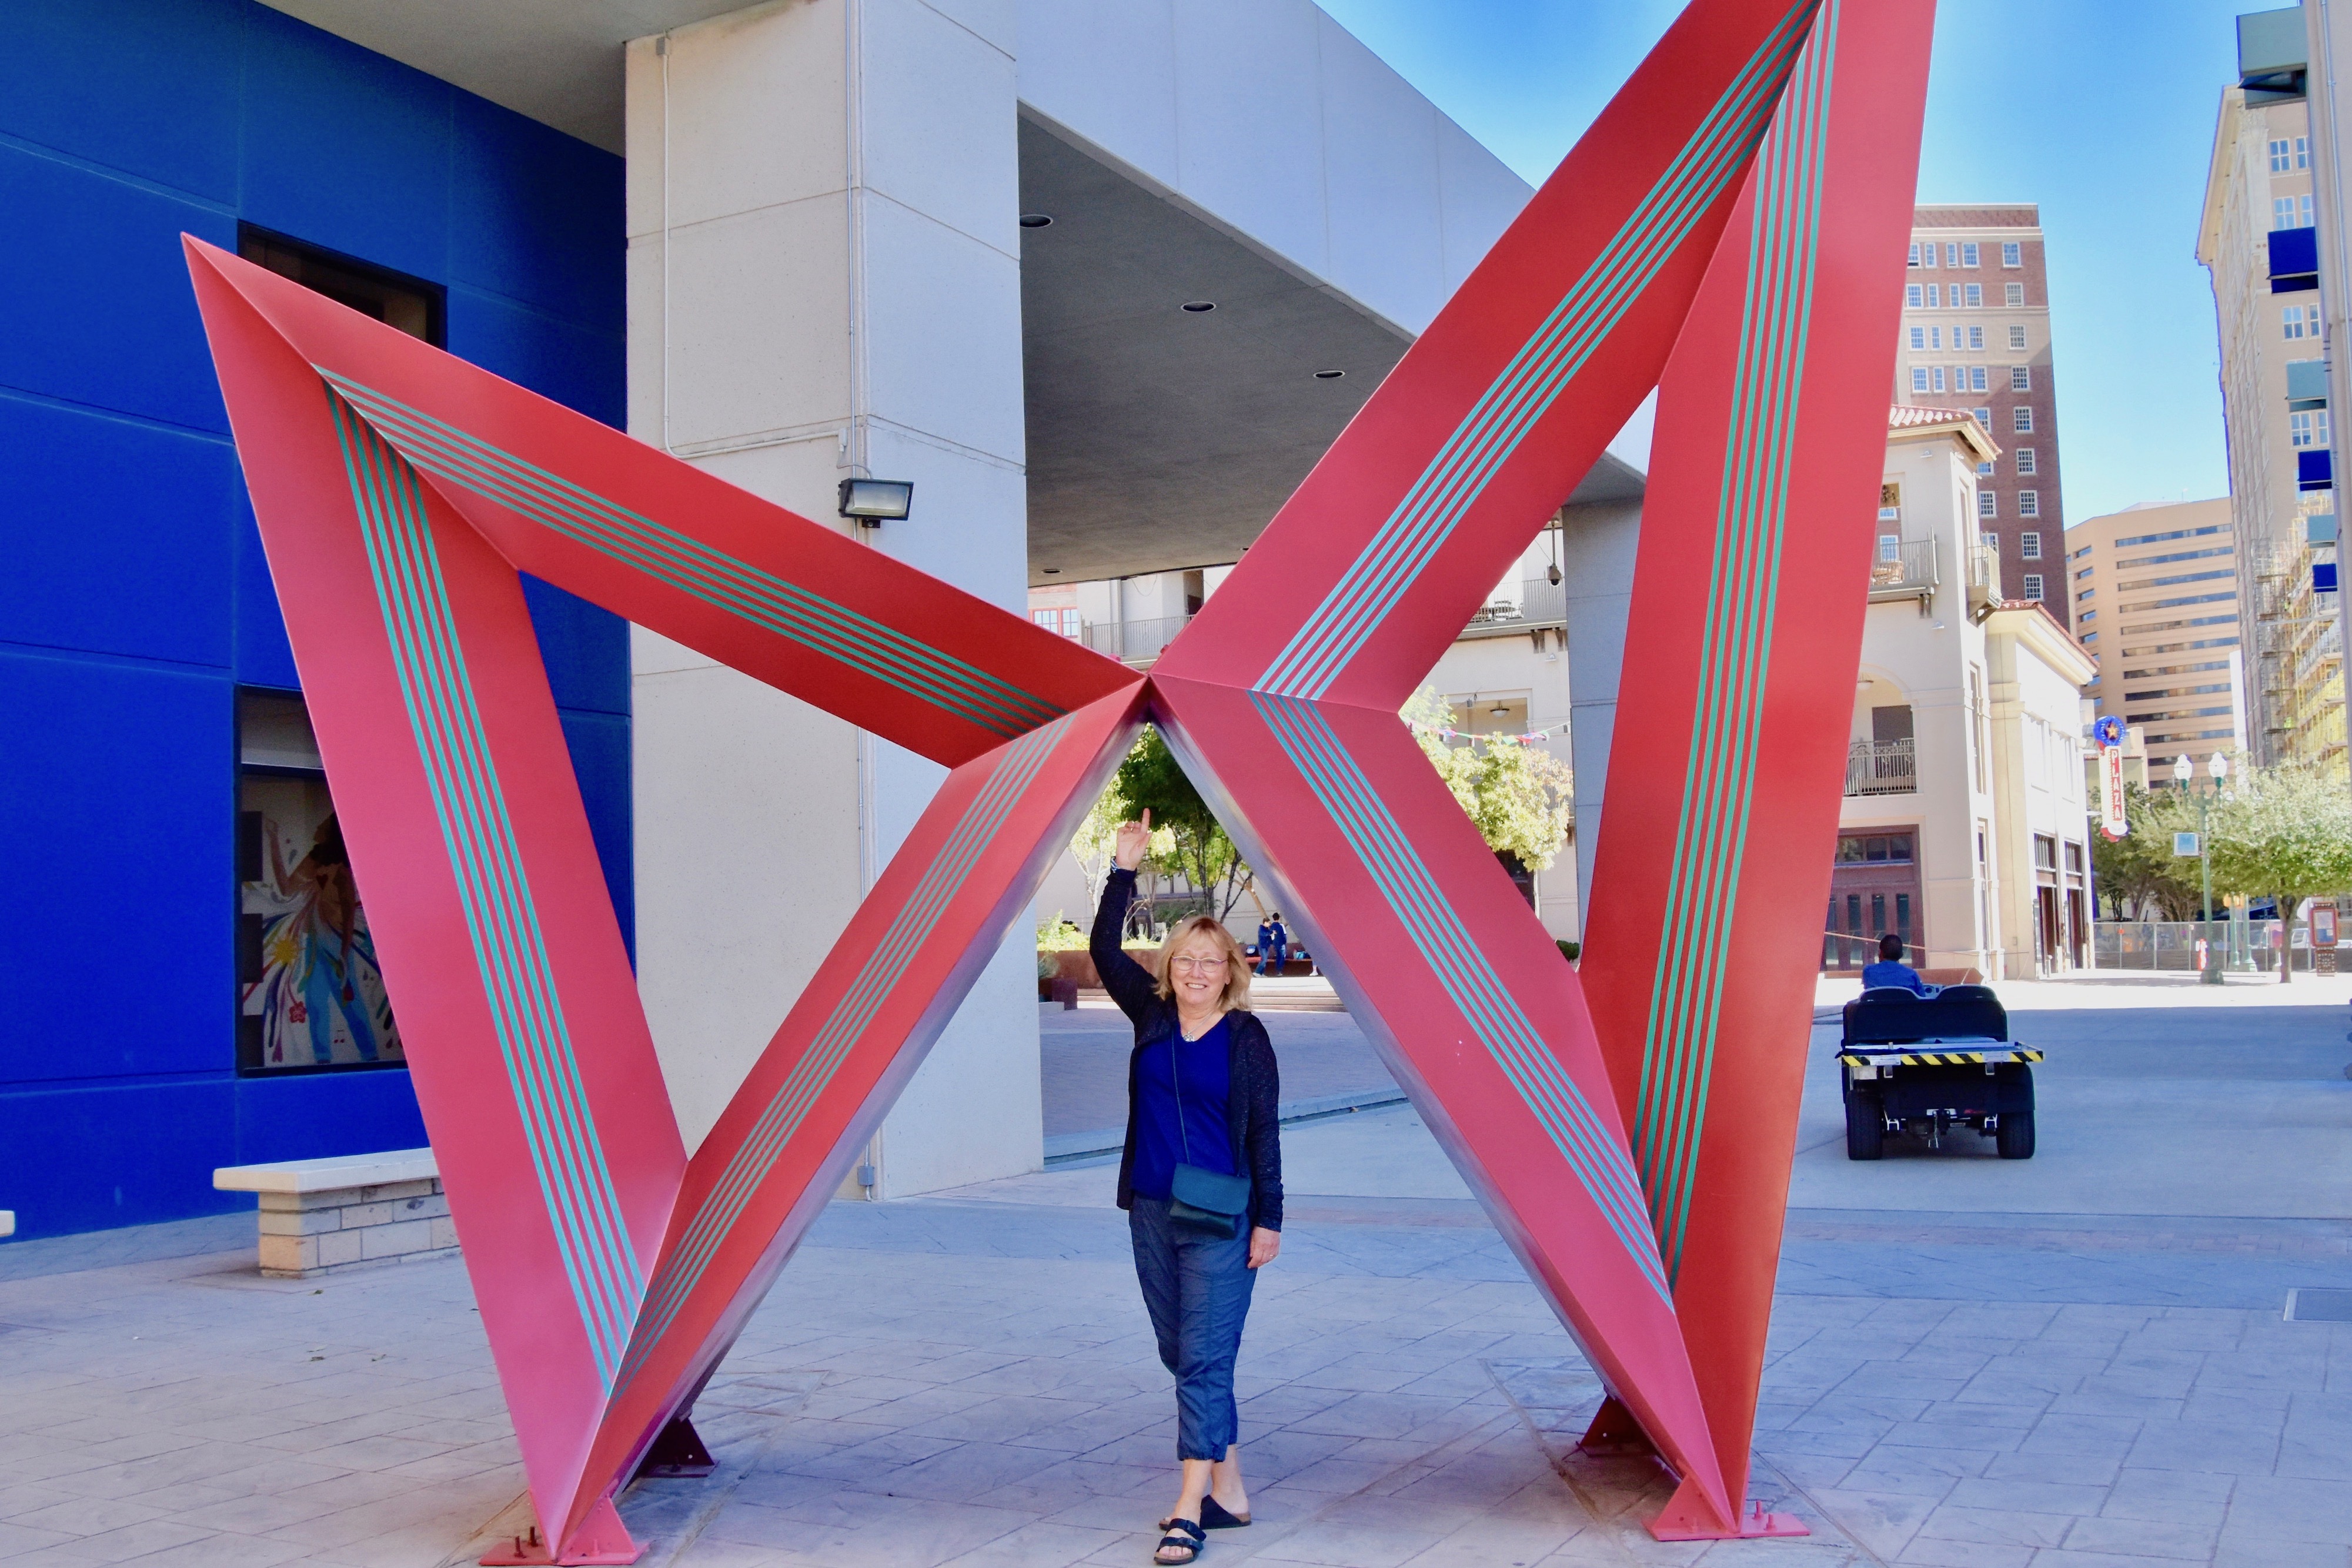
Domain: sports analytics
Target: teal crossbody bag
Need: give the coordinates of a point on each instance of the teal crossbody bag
(1206, 1201)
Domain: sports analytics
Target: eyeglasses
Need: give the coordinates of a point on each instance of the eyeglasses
(1209, 965)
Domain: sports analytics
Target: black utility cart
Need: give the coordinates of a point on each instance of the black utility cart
(1930, 1063)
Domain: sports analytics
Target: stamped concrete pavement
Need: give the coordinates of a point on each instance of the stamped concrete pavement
(2076, 1362)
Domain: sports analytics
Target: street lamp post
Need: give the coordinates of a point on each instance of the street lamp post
(2184, 773)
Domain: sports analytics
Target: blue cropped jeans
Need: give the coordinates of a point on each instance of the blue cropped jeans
(1197, 1289)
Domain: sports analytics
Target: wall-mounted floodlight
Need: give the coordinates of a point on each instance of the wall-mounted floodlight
(872, 501)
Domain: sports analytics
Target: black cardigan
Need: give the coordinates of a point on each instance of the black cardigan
(1252, 1111)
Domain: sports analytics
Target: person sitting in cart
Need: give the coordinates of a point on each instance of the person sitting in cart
(1891, 970)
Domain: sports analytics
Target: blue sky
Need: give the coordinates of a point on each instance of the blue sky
(2101, 111)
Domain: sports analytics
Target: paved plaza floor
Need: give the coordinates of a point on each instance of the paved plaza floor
(2081, 1361)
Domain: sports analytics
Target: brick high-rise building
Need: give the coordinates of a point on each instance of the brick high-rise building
(1976, 336)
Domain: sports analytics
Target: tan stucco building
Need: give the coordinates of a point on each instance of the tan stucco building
(2257, 241)
(2155, 593)
(1962, 829)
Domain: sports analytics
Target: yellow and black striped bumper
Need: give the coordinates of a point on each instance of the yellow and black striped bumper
(1935, 1058)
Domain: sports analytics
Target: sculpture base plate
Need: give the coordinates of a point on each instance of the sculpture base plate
(601, 1538)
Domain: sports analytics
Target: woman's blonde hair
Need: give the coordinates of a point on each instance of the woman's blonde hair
(1238, 970)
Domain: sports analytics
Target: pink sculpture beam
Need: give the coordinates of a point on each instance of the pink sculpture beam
(1726, 760)
(401, 493)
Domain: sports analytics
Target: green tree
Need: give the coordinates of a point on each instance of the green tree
(1520, 798)
(2284, 832)
(1092, 844)
(1195, 846)
(2140, 866)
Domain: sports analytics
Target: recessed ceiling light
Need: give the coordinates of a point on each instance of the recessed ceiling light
(1329, 375)
(1036, 220)
(1199, 307)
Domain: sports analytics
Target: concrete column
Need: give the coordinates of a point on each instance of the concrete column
(824, 280)
(1598, 544)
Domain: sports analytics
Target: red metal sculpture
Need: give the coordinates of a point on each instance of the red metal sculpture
(401, 493)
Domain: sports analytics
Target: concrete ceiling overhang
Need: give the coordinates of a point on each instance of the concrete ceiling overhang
(1157, 438)
(558, 62)
(1160, 438)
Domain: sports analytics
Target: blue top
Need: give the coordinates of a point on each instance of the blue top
(1160, 1142)
(1887, 972)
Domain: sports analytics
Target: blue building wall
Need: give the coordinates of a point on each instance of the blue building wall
(134, 596)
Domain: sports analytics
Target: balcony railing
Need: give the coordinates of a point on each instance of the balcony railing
(1136, 642)
(1881, 767)
(1541, 603)
(1911, 572)
(1984, 580)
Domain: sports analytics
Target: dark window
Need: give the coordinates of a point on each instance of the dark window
(1875, 849)
(1878, 914)
(310, 995)
(415, 306)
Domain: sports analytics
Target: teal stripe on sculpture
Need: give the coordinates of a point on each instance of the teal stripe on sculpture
(1535, 376)
(1594, 1156)
(808, 619)
(1687, 992)
(502, 922)
(910, 929)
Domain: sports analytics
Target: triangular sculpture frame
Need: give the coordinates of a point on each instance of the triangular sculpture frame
(1733, 223)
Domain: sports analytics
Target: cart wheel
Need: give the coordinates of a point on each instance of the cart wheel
(1865, 1127)
(2015, 1135)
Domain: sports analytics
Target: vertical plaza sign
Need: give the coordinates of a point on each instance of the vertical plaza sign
(2109, 734)
(1729, 231)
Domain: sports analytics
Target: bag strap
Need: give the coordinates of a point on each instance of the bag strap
(1175, 1083)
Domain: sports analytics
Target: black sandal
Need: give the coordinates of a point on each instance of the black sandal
(1215, 1515)
(1190, 1540)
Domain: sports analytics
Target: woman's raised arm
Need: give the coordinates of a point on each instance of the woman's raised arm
(1131, 984)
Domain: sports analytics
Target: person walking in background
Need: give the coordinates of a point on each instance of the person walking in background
(1273, 945)
(1891, 970)
(1201, 1178)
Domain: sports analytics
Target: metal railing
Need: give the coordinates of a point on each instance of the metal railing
(1984, 580)
(1541, 603)
(1912, 573)
(1137, 643)
(1845, 950)
(1881, 767)
(2171, 945)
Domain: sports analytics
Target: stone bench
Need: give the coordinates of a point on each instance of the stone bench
(319, 1217)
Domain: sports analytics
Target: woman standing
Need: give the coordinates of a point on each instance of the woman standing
(1201, 1180)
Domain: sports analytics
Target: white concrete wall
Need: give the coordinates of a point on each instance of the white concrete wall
(1598, 545)
(2038, 752)
(1510, 667)
(824, 277)
(1926, 661)
(1274, 122)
